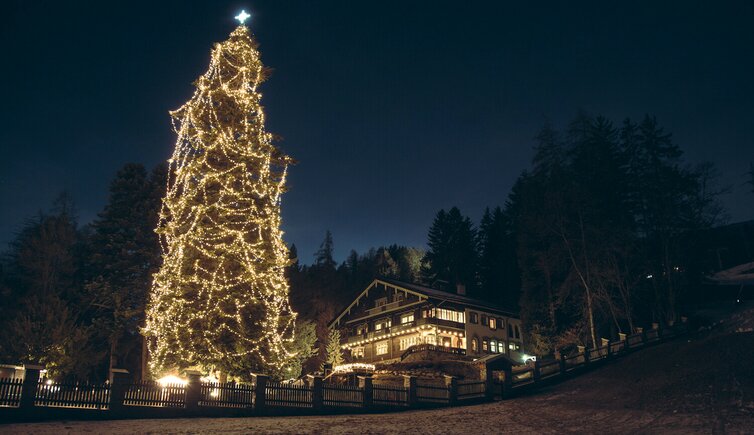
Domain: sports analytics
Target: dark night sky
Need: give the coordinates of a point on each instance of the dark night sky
(393, 110)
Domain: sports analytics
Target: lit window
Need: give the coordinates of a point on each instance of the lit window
(407, 318)
(357, 352)
(475, 345)
(406, 342)
(493, 346)
(380, 348)
(382, 324)
(451, 315)
(485, 345)
(492, 323)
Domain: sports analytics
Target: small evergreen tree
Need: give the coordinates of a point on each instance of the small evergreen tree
(303, 348)
(334, 355)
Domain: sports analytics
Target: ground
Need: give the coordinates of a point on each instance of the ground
(700, 384)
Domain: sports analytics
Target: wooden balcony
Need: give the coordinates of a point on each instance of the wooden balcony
(383, 333)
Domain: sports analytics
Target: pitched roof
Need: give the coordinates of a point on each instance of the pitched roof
(434, 293)
(498, 360)
(428, 293)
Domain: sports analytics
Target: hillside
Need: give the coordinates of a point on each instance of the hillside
(700, 384)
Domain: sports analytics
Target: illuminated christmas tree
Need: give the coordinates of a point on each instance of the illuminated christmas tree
(220, 300)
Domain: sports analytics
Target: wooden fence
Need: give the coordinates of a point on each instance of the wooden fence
(150, 393)
(531, 376)
(35, 398)
(343, 395)
(10, 391)
(391, 396)
(471, 390)
(72, 394)
(289, 395)
(230, 395)
(431, 391)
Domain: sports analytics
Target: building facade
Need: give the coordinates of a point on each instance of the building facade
(390, 318)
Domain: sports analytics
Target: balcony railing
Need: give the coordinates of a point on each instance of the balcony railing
(383, 308)
(404, 327)
(433, 348)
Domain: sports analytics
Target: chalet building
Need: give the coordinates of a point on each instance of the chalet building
(390, 319)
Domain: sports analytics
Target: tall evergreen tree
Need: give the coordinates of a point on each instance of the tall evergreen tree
(220, 299)
(498, 270)
(668, 202)
(45, 323)
(324, 256)
(601, 210)
(452, 254)
(125, 254)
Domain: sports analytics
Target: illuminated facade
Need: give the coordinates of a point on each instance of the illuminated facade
(390, 318)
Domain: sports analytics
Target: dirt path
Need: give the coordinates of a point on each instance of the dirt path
(692, 386)
(502, 417)
(549, 412)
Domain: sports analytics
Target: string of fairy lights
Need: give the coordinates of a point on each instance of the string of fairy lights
(221, 293)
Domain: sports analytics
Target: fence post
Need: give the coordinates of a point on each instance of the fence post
(683, 327)
(410, 383)
(365, 383)
(489, 386)
(536, 373)
(119, 381)
(606, 343)
(29, 387)
(508, 383)
(260, 390)
(193, 390)
(586, 356)
(317, 393)
(452, 383)
(643, 336)
(562, 363)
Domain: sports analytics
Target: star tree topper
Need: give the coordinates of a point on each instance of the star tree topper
(243, 16)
